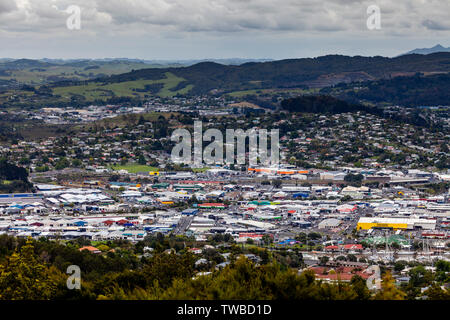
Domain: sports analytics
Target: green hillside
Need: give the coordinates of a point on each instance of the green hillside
(135, 88)
(289, 77)
(318, 72)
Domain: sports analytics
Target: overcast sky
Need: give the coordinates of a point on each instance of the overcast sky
(197, 29)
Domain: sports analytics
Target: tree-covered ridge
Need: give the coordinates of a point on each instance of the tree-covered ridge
(207, 76)
(413, 91)
(310, 74)
(322, 104)
(326, 104)
(32, 269)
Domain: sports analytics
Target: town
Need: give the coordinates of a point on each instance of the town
(352, 190)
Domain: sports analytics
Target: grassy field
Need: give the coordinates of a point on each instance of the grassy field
(94, 91)
(240, 94)
(134, 168)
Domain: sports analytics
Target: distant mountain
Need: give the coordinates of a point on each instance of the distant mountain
(43, 71)
(435, 49)
(229, 61)
(422, 79)
(23, 64)
(37, 72)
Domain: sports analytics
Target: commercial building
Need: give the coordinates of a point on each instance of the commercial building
(366, 223)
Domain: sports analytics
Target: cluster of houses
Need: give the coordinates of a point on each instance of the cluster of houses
(201, 208)
(363, 178)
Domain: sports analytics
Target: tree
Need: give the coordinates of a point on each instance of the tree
(442, 265)
(323, 260)
(359, 286)
(420, 277)
(142, 160)
(435, 292)
(400, 265)
(62, 163)
(388, 289)
(103, 247)
(302, 237)
(352, 258)
(76, 163)
(166, 267)
(9, 171)
(22, 277)
(266, 239)
(442, 271)
(314, 236)
(354, 178)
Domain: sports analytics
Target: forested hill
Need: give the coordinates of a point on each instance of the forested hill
(322, 104)
(406, 91)
(309, 72)
(13, 178)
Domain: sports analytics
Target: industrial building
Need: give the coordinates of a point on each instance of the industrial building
(366, 223)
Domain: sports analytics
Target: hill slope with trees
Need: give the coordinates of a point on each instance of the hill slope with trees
(307, 72)
(413, 91)
(13, 178)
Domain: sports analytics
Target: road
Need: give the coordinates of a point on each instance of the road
(183, 224)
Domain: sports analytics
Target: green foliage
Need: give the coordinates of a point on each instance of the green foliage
(321, 104)
(164, 268)
(36, 270)
(400, 265)
(16, 177)
(418, 90)
(388, 289)
(360, 288)
(9, 171)
(62, 163)
(420, 277)
(206, 76)
(356, 178)
(435, 292)
(22, 277)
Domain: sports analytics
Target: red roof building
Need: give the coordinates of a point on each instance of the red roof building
(355, 246)
(108, 222)
(352, 246)
(339, 273)
(90, 249)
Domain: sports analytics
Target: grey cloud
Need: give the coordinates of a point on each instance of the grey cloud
(434, 25)
(7, 6)
(224, 16)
